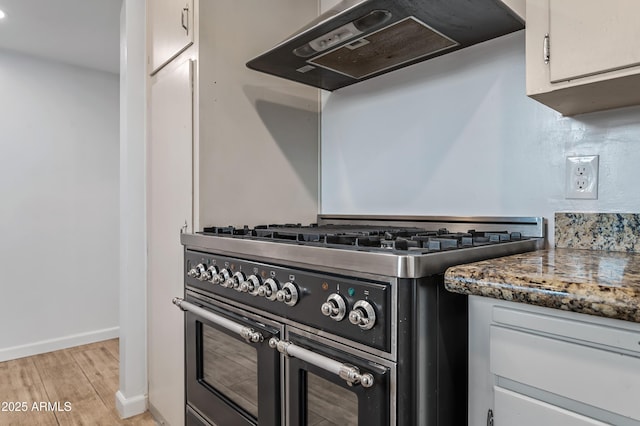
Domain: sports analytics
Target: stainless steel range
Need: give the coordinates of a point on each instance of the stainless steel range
(345, 322)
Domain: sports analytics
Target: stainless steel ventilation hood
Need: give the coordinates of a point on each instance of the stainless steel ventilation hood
(361, 39)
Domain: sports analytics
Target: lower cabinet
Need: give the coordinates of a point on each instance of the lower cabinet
(548, 367)
(512, 408)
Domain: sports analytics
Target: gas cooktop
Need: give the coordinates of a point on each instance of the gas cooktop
(402, 246)
(401, 240)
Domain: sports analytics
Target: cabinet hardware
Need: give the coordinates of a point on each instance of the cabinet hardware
(185, 18)
(546, 53)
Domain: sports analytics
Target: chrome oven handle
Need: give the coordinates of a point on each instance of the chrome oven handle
(249, 334)
(349, 373)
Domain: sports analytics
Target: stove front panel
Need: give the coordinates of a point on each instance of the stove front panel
(355, 309)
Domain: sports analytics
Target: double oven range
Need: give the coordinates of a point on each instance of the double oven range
(345, 322)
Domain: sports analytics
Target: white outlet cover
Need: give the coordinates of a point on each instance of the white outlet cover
(582, 177)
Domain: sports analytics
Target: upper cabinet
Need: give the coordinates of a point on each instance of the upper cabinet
(171, 23)
(583, 55)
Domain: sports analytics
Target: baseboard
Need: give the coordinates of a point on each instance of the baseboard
(157, 417)
(129, 407)
(65, 342)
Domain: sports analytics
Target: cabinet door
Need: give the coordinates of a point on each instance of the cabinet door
(169, 204)
(171, 29)
(592, 36)
(512, 408)
(607, 380)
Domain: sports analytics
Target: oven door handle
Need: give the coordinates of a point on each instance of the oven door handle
(249, 334)
(351, 374)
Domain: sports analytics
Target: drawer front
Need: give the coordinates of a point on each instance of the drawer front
(512, 408)
(592, 330)
(603, 379)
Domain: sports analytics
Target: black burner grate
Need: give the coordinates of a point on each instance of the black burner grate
(367, 238)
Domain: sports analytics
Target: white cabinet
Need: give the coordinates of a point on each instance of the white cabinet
(171, 25)
(589, 37)
(169, 209)
(512, 408)
(517, 6)
(556, 370)
(593, 52)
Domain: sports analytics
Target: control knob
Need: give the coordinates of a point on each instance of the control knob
(205, 275)
(335, 307)
(268, 289)
(223, 277)
(251, 285)
(238, 279)
(197, 271)
(363, 315)
(213, 274)
(288, 294)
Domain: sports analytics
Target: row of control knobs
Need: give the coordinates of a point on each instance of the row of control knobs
(363, 315)
(252, 284)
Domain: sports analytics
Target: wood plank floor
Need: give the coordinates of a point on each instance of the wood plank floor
(75, 386)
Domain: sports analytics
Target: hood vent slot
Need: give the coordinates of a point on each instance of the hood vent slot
(389, 47)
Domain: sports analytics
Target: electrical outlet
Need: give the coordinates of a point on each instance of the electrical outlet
(582, 177)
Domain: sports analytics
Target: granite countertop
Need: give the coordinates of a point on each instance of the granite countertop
(596, 282)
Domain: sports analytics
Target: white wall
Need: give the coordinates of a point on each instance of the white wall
(59, 208)
(458, 136)
(258, 149)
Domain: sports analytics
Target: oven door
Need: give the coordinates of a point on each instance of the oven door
(233, 377)
(328, 386)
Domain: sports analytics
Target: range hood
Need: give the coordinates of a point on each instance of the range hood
(360, 39)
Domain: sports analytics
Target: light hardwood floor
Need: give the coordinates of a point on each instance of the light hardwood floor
(85, 377)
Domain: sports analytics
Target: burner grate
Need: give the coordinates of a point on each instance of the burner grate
(368, 238)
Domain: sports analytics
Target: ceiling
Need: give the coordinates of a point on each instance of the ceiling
(85, 33)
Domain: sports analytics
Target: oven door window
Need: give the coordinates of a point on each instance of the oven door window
(318, 397)
(330, 404)
(230, 367)
(231, 381)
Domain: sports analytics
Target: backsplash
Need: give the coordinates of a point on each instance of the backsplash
(598, 231)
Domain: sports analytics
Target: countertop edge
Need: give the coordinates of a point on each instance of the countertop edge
(496, 278)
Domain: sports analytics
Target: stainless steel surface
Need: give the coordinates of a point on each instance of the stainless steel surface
(347, 372)
(246, 333)
(527, 226)
(359, 39)
(387, 264)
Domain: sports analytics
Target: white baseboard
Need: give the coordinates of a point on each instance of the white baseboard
(157, 417)
(57, 344)
(129, 407)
